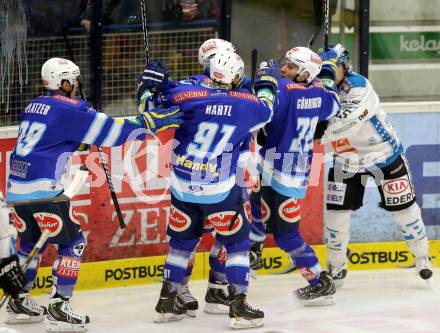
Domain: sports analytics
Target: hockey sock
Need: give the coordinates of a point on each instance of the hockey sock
(237, 265)
(258, 229)
(189, 269)
(413, 229)
(217, 260)
(302, 255)
(176, 263)
(31, 273)
(65, 268)
(337, 236)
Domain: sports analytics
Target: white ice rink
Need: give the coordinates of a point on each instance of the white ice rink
(389, 301)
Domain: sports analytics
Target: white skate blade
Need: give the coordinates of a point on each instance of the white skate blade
(22, 318)
(191, 313)
(61, 326)
(242, 323)
(215, 308)
(338, 283)
(253, 274)
(320, 301)
(167, 317)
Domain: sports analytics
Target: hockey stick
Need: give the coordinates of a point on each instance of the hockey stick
(144, 30)
(43, 238)
(254, 59)
(73, 188)
(122, 224)
(326, 23)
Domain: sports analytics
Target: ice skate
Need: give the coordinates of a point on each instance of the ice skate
(62, 318)
(338, 274)
(216, 298)
(423, 267)
(169, 307)
(184, 296)
(24, 310)
(319, 294)
(241, 313)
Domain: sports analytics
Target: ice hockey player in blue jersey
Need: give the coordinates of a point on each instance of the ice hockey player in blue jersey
(52, 127)
(286, 157)
(217, 120)
(216, 298)
(365, 144)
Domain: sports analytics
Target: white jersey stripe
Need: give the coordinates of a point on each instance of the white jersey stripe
(95, 128)
(112, 135)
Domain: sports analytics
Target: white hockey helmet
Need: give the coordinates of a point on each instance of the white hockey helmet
(210, 47)
(226, 67)
(306, 60)
(55, 70)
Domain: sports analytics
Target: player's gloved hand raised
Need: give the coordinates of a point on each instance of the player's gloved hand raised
(12, 280)
(267, 76)
(329, 64)
(155, 76)
(159, 119)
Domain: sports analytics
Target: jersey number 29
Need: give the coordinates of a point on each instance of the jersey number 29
(28, 136)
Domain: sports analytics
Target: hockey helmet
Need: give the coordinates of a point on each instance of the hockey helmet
(343, 55)
(306, 60)
(210, 47)
(226, 67)
(55, 70)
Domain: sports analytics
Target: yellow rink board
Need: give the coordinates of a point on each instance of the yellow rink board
(147, 270)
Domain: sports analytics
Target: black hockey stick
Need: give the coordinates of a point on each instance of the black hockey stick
(145, 30)
(254, 59)
(100, 153)
(326, 23)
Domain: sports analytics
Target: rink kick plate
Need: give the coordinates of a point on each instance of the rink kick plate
(147, 270)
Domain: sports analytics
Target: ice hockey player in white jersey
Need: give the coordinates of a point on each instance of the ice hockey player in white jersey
(365, 144)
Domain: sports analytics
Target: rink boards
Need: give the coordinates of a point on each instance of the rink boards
(148, 270)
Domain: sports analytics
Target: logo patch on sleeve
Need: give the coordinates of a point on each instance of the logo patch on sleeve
(19, 223)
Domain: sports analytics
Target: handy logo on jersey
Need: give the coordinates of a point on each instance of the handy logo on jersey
(49, 221)
(222, 255)
(190, 94)
(19, 223)
(289, 210)
(221, 222)
(242, 95)
(68, 267)
(342, 146)
(73, 218)
(178, 220)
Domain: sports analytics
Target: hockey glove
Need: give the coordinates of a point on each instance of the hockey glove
(161, 119)
(267, 76)
(155, 76)
(12, 279)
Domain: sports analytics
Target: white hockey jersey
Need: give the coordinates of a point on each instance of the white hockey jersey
(361, 135)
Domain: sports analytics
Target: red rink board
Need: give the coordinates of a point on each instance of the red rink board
(146, 221)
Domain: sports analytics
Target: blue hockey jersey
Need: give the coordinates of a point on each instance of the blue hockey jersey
(52, 127)
(207, 146)
(287, 153)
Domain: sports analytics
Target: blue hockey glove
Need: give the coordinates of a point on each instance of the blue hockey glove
(155, 75)
(329, 64)
(267, 76)
(158, 119)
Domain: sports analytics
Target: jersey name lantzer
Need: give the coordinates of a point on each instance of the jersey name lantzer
(309, 103)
